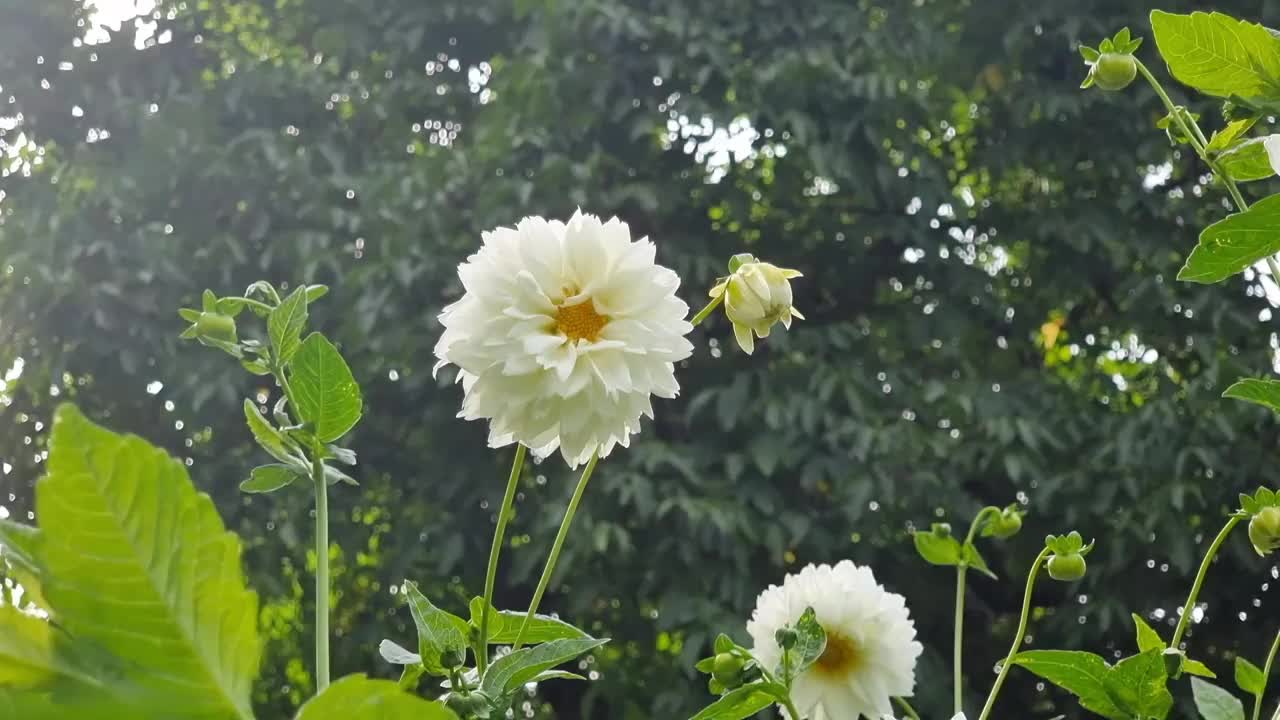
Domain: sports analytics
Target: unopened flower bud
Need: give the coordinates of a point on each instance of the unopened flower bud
(1006, 524)
(757, 295)
(786, 638)
(1114, 71)
(1067, 567)
(215, 326)
(727, 664)
(1264, 530)
(1173, 661)
(451, 658)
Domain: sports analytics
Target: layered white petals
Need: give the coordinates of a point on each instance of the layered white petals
(871, 624)
(1272, 145)
(544, 369)
(756, 296)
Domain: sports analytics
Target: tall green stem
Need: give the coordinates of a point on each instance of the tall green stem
(962, 570)
(556, 547)
(504, 516)
(1195, 587)
(1017, 638)
(322, 573)
(1266, 675)
(906, 708)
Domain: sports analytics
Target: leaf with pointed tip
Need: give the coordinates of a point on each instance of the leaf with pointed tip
(1248, 677)
(1214, 703)
(269, 478)
(269, 438)
(1138, 685)
(1247, 161)
(1260, 392)
(397, 655)
(325, 393)
(1235, 243)
(286, 323)
(438, 631)
(138, 562)
(1079, 673)
(511, 671)
(742, 703)
(1218, 54)
(1148, 639)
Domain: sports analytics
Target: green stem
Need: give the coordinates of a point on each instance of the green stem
(322, 573)
(1017, 638)
(1195, 587)
(962, 570)
(556, 547)
(504, 516)
(906, 708)
(791, 708)
(710, 308)
(1266, 674)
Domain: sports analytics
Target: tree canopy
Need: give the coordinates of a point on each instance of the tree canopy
(989, 263)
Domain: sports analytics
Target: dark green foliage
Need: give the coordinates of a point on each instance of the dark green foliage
(989, 254)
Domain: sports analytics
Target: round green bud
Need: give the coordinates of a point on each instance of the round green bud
(1006, 524)
(451, 658)
(472, 705)
(1264, 530)
(786, 638)
(727, 665)
(1114, 71)
(215, 326)
(1173, 661)
(1067, 567)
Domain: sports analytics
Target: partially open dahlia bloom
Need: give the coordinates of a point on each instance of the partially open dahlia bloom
(564, 332)
(871, 650)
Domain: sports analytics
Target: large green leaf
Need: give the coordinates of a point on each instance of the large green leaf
(324, 391)
(510, 672)
(1247, 161)
(1218, 54)
(1138, 685)
(356, 697)
(504, 626)
(1234, 243)
(439, 632)
(1079, 673)
(1214, 703)
(1262, 392)
(138, 562)
(286, 323)
(738, 704)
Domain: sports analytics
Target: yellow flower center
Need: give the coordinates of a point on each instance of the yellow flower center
(580, 322)
(841, 657)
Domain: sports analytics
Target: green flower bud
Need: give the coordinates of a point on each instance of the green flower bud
(727, 665)
(1264, 530)
(786, 638)
(1173, 661)
(1114, 71)
(451, 658)
(213, 326)
(472, 705)
(1067, 567)
(1006, 524)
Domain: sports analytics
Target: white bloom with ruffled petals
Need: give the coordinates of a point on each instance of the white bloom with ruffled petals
(564, 332)
(871, 650)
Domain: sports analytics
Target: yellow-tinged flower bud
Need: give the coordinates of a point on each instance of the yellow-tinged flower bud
(756, 297)
(1264, 530)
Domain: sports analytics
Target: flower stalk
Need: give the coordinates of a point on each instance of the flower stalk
(499, 533)
(1018, 636)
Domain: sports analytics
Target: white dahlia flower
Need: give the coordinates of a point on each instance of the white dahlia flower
(1272, 145)
(871, 650)
(563, 333)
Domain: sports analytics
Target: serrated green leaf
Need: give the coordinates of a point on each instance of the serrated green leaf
(744, 702)
(1148, 639)
(1235, 243)
(269, 438)
(438, 631)
(356, 697)
(937, 549)
(1218, 54)
(1214, 703)
(1079, 673)
(269, 478)
(1258, 391)
(324, 392)
(1138, 685)
(1247, 161)
(1248, 677)
(174, 604)
(511, 671)
(286, 323)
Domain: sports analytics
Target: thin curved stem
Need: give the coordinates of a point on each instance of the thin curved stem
(906, 708)
(1266, 674)
(504, 516)
(556, 547)
(962, 571)
(322, 573)
(710, 308)
(251, 303)
(1195, 587)
(1017, 638)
